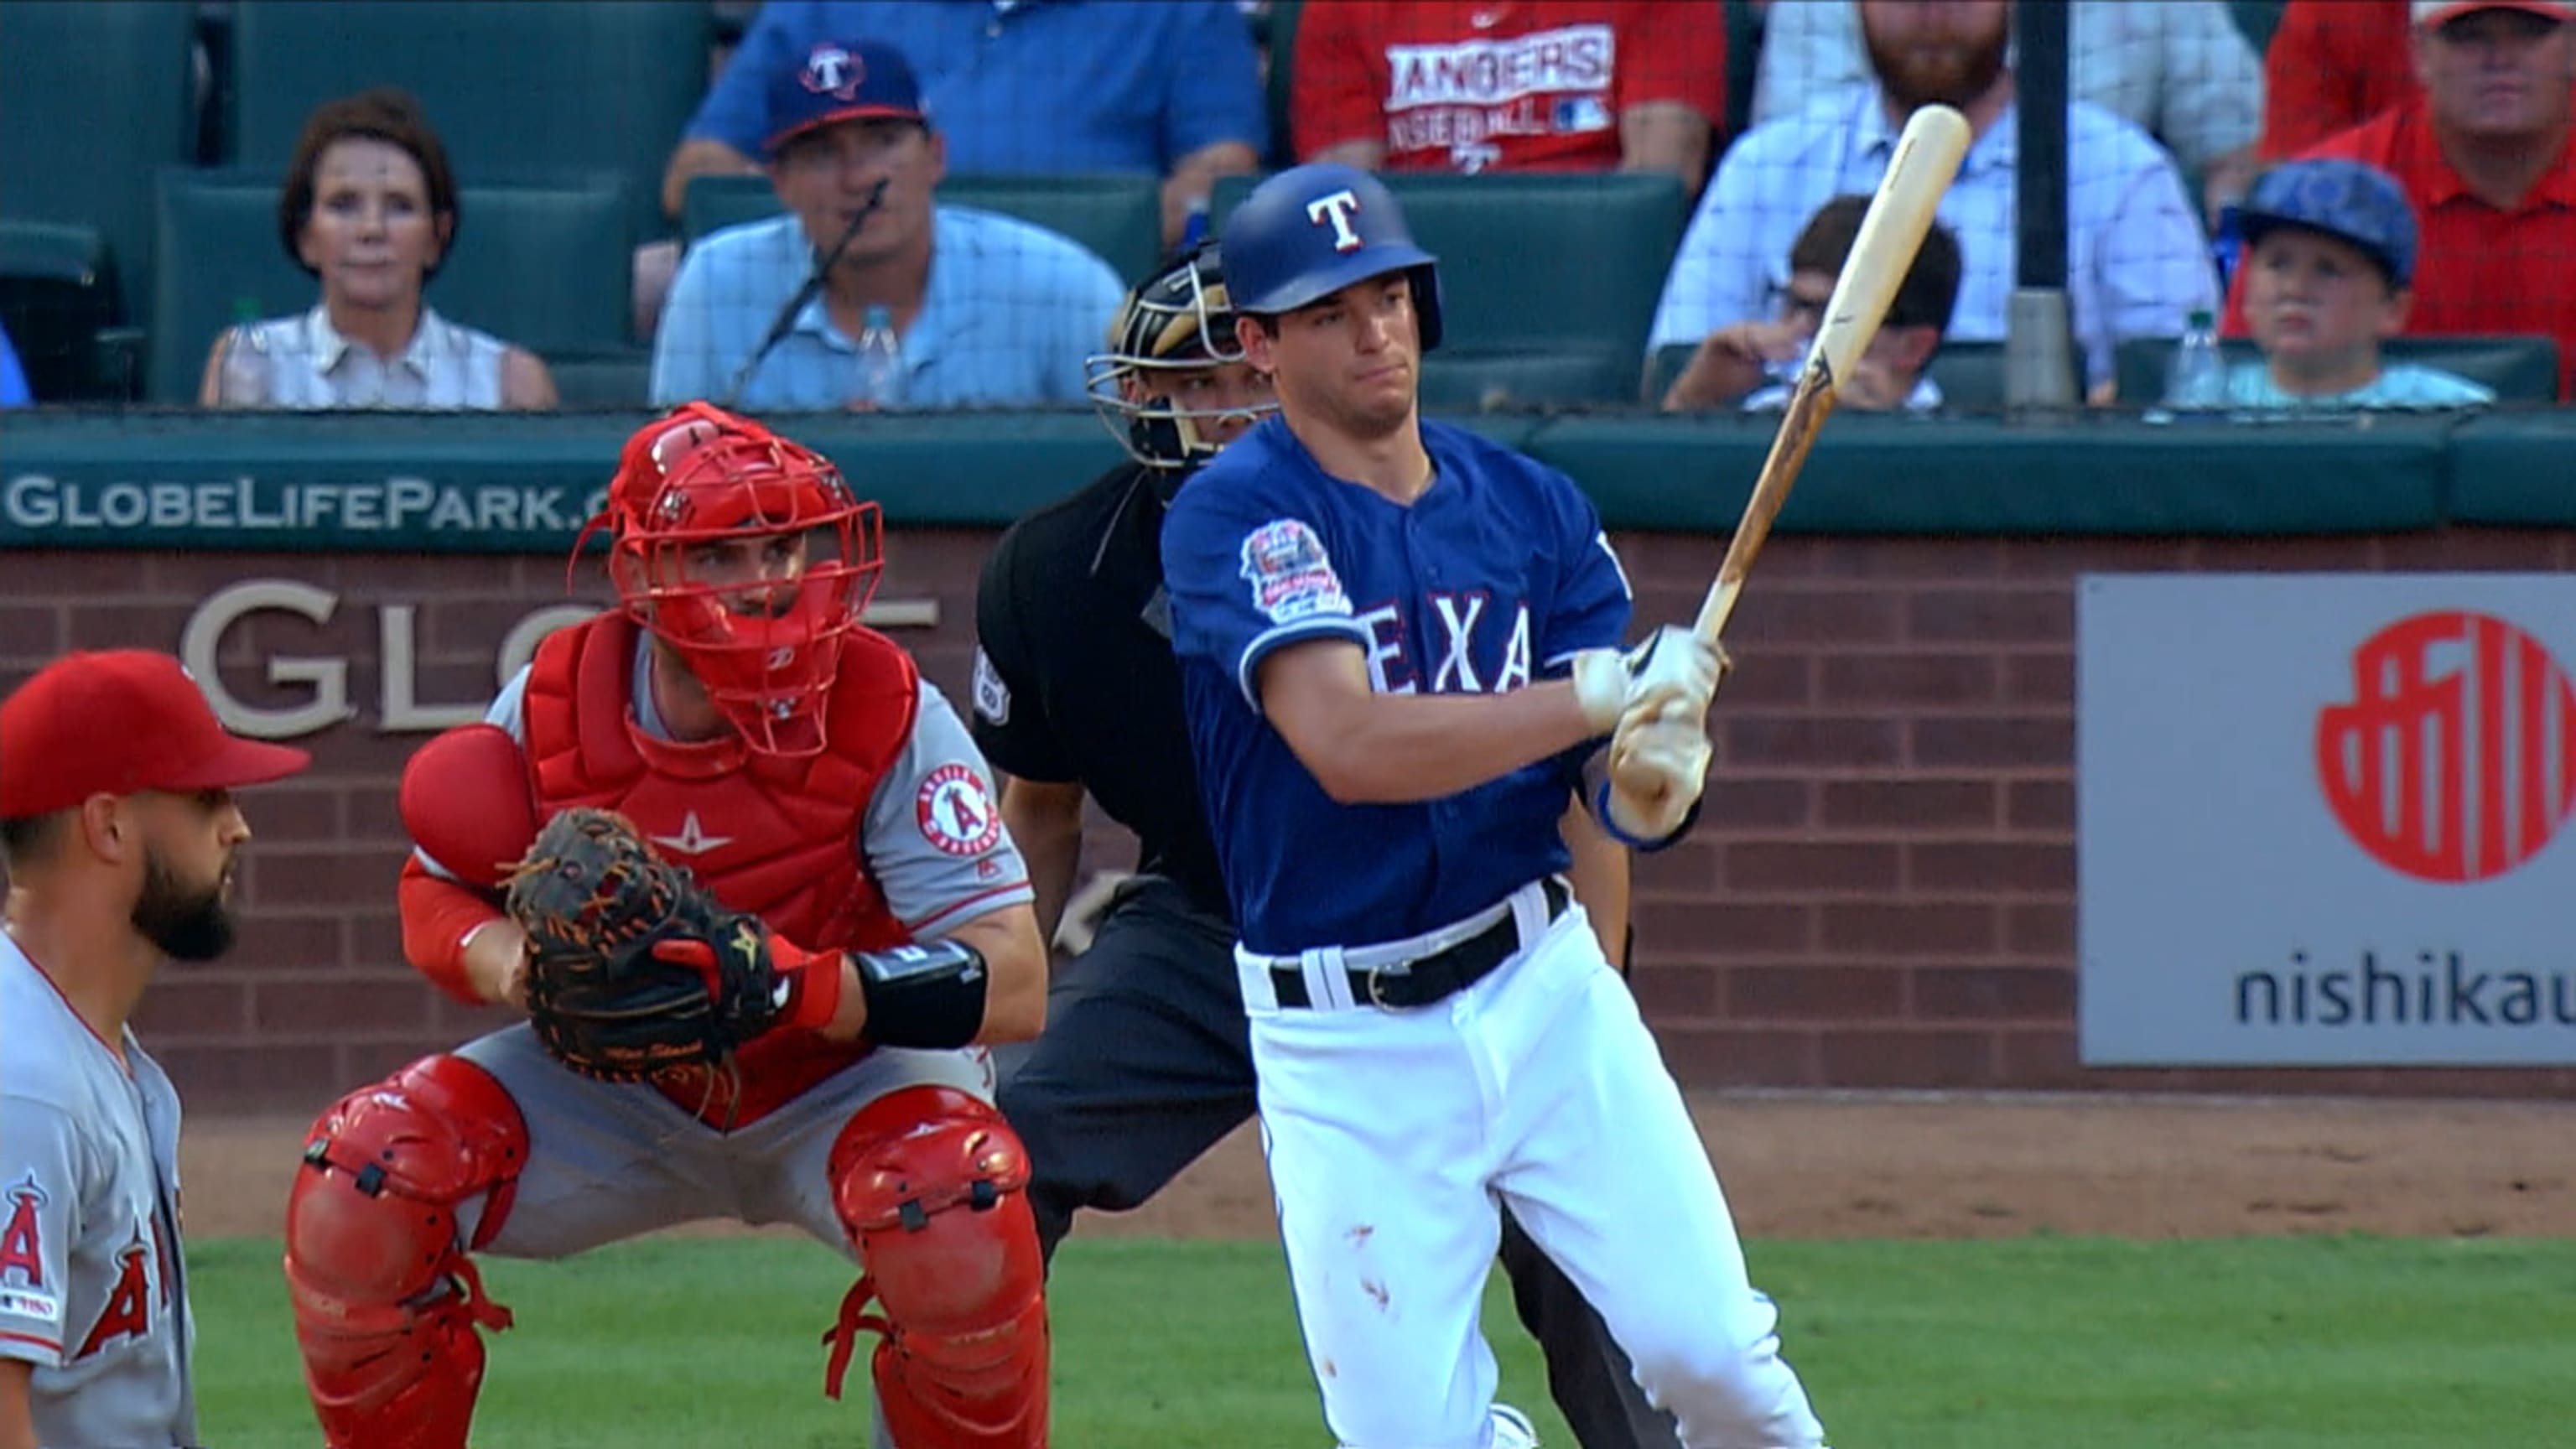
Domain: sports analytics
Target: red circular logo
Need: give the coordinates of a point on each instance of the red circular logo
(2455, 759)
(956, 811)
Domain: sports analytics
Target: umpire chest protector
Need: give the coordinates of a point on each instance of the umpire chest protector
(770, 835)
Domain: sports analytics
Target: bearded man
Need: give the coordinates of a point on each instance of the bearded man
(2137, 264)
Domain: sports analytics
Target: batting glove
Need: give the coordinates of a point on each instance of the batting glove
(1671, 666)
(1658, 767)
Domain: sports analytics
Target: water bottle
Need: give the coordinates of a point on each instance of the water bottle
(880, 363)
(2198, 383)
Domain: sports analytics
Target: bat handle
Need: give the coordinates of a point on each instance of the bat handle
(1716, 609)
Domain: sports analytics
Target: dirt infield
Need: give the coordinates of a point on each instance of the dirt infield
(1809, 1166)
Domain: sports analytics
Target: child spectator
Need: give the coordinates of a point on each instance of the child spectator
(2329, 273)
(370, 210)
(1758, 361)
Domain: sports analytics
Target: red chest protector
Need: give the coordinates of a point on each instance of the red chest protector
(772, 836)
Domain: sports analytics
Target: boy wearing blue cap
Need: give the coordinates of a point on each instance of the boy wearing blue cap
(2329, 273)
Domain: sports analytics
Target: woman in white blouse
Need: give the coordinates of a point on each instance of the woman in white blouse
(369, 209)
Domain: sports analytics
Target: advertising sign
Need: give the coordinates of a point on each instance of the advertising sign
(2322, 819)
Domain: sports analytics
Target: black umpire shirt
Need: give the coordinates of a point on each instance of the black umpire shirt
(1075, 680)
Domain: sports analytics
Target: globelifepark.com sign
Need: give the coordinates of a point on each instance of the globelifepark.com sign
(2320, 819)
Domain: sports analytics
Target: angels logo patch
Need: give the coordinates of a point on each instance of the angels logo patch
(1290, 575)
(956, 812)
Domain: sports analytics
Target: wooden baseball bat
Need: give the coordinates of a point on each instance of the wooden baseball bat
(1927, 155)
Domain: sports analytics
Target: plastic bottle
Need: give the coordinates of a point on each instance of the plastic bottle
(2198, 383)
(880, 363)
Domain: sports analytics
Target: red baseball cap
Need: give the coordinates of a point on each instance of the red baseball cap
(117, 722)
(2428, 13)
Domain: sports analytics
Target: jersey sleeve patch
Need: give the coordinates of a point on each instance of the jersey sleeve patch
(1290, 575)
(25, 1291)
(992, 696)
(956, 813)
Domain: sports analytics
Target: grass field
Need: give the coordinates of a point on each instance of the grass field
(2029, 1343)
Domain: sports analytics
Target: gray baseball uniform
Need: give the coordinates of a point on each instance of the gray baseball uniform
(609, 1162)
(91, 1287)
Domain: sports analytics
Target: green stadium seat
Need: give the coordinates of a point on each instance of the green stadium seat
(95, 96)
(543, 266)
(2520, 369)
(619, 379)
(1969, 374)
(1548, 281)
(1118, 217)
(58, 299)
(514, 89)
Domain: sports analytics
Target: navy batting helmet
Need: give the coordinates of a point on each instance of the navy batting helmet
(1310, 231)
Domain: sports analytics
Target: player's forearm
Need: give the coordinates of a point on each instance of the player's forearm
(1046, 825)
(1400, 748)
(17, 1404)
(455, 936)
(1599, 872)
(1014, 984)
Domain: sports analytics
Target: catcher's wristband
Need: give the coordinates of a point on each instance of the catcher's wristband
(929, 996)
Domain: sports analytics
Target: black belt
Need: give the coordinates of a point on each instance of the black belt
(1425, 979)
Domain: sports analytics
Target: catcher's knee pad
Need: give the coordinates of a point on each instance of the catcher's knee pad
(386, 1302)
(931, 1186)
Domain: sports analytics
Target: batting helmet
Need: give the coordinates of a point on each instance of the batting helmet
(1178, 320)
(1312, 230)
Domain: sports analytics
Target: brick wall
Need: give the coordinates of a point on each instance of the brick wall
(1881, 895)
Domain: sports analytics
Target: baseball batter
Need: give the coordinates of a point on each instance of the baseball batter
(120, 832)
(738, 713)
(1145, 1061)
(1398, 647)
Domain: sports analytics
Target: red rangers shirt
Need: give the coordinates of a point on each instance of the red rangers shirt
(1498, 85)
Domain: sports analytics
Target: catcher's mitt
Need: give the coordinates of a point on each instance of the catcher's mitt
(610, 925)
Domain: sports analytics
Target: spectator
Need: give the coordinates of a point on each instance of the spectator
(370, 210)
(2332, 65)
(1168, 88)
(2487, 156)
(2331, 256)
(13, 378)
(1004, 318)
(2179, 69)
(1546, 85)
(1758, 361)
(2137, 263)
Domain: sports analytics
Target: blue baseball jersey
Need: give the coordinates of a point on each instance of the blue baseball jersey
(1493, 577)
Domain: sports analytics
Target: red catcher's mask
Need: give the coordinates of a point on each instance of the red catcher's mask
(751, 558)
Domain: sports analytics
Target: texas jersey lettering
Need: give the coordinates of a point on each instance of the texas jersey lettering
(1494, 577)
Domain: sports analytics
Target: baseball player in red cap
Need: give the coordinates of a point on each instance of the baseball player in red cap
(120, 831)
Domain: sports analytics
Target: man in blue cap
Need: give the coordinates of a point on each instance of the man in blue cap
(769, 316)
(1400, 658)
(2329, 274)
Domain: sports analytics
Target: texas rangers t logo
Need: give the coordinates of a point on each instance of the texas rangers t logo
(1336, 210)
(833, 71)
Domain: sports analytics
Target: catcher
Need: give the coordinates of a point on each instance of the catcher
(742, 868)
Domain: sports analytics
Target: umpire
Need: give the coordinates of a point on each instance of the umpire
(1146, 1061)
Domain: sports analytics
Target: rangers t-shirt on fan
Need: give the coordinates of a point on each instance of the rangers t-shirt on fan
(1511, 85)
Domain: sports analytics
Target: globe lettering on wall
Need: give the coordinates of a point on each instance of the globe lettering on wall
(2455, 759)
